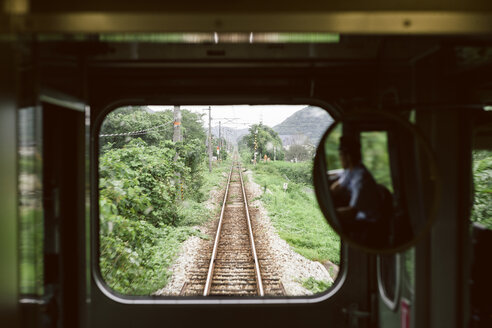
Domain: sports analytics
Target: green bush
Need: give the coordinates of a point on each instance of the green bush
(135, 255)
(143, 219)
(316, 286)
(482, 178)
(142, 181)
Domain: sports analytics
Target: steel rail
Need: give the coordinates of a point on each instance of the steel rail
(208, 284)
(251, 238)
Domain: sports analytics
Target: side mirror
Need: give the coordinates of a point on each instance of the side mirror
(376, 181)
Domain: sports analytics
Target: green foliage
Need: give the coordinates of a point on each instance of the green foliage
(142, 221)
(482, 178)
(266, 140)
(301, 173)
(135, 254)
(142, 183)
(192, 153)
(375, 156)
(295, 212)
(191, 126)
(128, 119)
(331, 148)
(316, 286)
(31, 232)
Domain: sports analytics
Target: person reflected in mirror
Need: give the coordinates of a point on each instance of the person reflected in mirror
(359, 201)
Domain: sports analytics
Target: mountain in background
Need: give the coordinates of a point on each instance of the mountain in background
(307, 124)
(229, 133)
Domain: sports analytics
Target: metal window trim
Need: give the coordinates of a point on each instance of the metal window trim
(62, 100)
(93, 195)
(392, 304)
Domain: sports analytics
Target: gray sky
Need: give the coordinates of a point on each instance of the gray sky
(241, 115)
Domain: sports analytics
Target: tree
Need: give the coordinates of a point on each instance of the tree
(192, 126)
(125, 120)
(158, 127)
(268, 141)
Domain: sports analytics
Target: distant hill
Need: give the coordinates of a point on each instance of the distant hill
(308, 123)
(229, 133)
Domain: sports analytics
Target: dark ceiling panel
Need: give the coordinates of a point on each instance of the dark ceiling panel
(254, 5)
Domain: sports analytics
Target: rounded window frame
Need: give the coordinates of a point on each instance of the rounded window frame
(101, 112)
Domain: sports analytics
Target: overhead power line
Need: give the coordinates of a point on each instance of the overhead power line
(139, 132)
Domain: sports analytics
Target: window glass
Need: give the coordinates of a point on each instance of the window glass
(163, 177)
(409, 270)
(31, 227)
(389, 279)
(482, 181)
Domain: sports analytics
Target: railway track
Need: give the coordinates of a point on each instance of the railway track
(232, 265)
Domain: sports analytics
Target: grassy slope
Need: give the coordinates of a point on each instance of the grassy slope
(295, 213)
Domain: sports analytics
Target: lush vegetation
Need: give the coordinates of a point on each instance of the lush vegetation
(294, 212)
(315, 286)
(265, 140)
(158, 124)
(482, 178)
(331, 148)
(31, 250)
(150, 195)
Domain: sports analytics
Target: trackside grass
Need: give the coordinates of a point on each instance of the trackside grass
(295, 213)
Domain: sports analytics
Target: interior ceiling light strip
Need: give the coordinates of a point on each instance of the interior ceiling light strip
(223, 37)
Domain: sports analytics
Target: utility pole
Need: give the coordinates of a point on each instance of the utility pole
(209, 139)
(219, 146)
(256, 146)
(177, 124)
(176, 138)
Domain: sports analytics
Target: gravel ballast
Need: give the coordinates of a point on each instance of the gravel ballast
(291, 267)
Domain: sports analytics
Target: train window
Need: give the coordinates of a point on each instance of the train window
(481, 218)
(482, 173)
(31, 227)
(213, 201)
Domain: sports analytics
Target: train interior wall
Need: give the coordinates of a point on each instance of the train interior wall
(90, 72)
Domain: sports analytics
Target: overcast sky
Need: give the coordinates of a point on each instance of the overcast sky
(240, 116)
